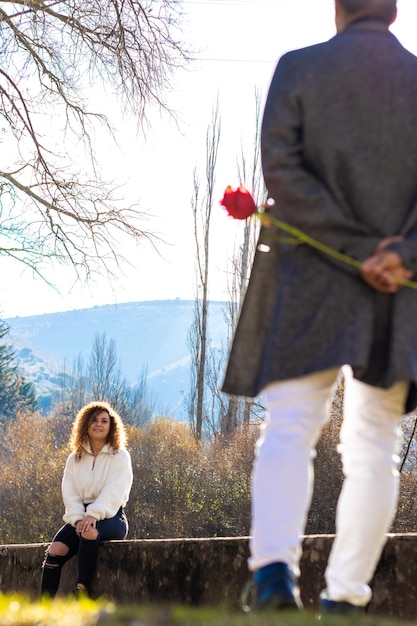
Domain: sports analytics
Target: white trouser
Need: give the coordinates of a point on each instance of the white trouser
(283, 477)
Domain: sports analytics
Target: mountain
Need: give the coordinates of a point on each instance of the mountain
(149, 336)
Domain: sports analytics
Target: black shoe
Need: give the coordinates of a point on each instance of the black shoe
(273, 587)
(339, 607)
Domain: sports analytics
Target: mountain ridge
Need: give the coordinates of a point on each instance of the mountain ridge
(149, 336)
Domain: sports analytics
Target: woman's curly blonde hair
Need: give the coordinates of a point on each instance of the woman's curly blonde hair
(79, 433)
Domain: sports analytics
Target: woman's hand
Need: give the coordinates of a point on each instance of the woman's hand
(85, 524)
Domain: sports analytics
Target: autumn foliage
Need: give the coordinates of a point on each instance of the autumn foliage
(181, 487)
(31, 467)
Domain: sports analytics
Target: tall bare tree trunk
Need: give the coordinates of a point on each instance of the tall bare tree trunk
(249, 171)
(198, 335)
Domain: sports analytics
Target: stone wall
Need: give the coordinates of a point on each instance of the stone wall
(209, 572)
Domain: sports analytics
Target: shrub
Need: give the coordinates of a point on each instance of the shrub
(181, 488)
(30, 480)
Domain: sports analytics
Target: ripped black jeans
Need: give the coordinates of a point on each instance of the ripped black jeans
(86, 550)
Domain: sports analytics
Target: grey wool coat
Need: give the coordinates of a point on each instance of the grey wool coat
(339, 156)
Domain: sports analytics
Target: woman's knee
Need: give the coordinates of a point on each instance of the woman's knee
(57, 548)
(91, 534)
(55, 557)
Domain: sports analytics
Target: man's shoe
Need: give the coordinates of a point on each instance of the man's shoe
(339, 607)
(274, 588)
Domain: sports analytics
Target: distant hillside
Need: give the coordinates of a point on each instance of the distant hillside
(151, 335)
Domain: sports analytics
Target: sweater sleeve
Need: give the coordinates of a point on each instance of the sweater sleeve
(74, 506)
(116, 490)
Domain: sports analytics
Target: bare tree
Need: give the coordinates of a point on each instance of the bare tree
(74, 391)
(104, 370)
(54, 205)
(102, 379)
(198, 339)
(140, 405)
(207, 406)
(242, 410)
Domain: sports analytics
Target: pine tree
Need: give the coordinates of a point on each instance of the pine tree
(16, 394)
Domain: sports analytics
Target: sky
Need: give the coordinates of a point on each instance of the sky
(237, 43)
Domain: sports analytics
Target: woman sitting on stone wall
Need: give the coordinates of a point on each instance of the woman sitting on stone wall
(95, 489)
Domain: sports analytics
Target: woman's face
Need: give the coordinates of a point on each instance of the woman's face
(99, 427)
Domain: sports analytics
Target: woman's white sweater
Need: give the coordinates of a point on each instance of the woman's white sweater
(101, 482)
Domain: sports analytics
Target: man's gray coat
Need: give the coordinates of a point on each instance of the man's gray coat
(339, 152)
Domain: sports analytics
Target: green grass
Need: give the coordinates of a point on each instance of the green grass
(20, 611)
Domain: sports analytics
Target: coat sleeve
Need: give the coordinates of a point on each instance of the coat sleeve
(116, 489)
(74, 506)
(407, 249)
(301, 198)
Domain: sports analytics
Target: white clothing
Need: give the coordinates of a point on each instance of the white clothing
(283, 477)
(101, 482)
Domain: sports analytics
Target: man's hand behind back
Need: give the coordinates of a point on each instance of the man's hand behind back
(384, 270)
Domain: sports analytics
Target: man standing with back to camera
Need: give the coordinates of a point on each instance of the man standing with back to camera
(339, 156)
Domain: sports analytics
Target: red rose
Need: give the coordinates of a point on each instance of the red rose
(239, 203)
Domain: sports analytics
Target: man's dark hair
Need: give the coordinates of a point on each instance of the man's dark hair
(380, 9)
